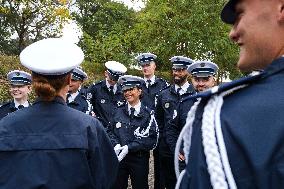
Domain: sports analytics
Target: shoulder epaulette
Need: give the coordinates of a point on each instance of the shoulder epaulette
(5, 104)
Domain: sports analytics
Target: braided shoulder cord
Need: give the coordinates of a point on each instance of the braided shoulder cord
(211, 121)
(185, 136)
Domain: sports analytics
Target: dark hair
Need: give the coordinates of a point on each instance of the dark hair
(47, 87)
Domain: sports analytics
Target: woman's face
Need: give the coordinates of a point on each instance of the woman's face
(132, 95)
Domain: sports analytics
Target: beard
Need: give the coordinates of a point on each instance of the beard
(180, 80)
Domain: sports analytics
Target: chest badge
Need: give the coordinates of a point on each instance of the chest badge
(118, 125)
(103, 101)
(167, 105)
(119, 103)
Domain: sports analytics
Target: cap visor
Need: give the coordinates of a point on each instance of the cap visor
(228, 14)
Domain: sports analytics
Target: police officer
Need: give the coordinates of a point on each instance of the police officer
(237, 134)
(50, 145)
(76, 98)
(166, 104)
(106, 94)
(20, 87)
(134, 133)
(151, 86)
(202, 78)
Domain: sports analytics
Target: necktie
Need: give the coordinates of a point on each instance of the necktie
(111, 89)
(67, 98)
(149, 83)
(132, 112)
(20, 106)
(178, 91)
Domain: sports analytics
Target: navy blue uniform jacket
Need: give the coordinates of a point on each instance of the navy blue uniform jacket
(149, 94)
(122, 130)
(7, 108)
(104, 101)
(167, 102)
(81, 103)
(252, 123)
(50, 145)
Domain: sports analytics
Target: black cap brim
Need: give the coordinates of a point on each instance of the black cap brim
(228, 14)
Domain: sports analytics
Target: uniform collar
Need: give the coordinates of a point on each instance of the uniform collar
(72, 96)
(184, 88)
(114, 87)
(25, 104)
(57, 99)
(137, 108)
(153, 79)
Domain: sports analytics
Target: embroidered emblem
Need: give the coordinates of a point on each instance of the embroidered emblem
(118, 125)
(103, 101)
(167, 105)
(202, 64)
(89, 96)
(119, 103)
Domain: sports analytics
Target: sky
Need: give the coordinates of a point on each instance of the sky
(72, 32)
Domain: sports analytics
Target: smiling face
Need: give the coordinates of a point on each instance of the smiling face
(180, 75)
(20, 92)
(132, 95)
(202, 83)
(74, 85)
(258, 32)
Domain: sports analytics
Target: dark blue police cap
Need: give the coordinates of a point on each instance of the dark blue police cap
(145, 58)
(78, 74)
(18, 77)
(203, 69)
(181, 62)
(130, 81)
(228, 14)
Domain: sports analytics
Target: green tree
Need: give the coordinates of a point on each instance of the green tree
(105, 26)
(190, 28)
(26, 21)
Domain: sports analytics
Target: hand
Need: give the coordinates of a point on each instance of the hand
(117, 149)
(123, 152)
(181, 157)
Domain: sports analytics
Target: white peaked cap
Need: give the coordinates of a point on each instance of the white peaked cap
(52, 56)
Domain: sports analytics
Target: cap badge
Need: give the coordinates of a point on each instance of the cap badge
(202, 64)
(17, 73)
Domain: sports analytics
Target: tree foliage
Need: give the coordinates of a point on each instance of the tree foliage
(25, 21)
(164, 27)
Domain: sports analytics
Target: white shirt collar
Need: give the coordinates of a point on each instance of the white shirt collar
(152, 80)
(114, 87)
(72, 97)
(183, 88)
(25, 104)
(137, 108)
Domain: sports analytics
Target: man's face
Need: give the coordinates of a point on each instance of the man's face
(255, 31)
(20, 92)
(180, 75)
(109, 80)
(74, 85)
(202, 83)
(149, 69)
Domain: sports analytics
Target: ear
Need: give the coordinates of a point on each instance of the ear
(69, 79)
(281, 11)
(106, 74)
